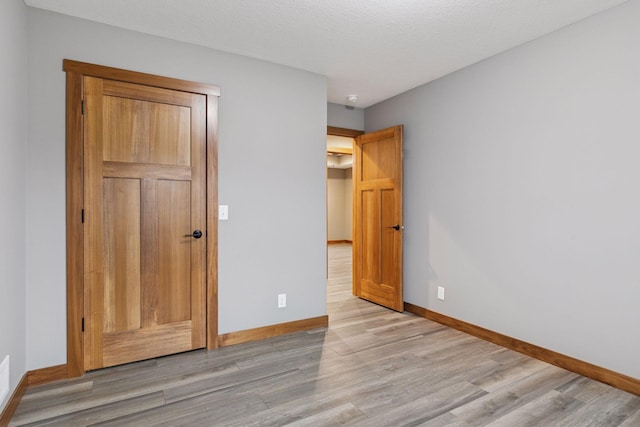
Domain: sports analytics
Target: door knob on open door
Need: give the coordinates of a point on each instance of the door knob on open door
(395, 227)
(196, 234)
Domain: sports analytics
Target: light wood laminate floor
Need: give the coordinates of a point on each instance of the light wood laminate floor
(372, 367)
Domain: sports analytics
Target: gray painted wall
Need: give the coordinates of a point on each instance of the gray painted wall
(348, 203)
(522, 190)
(341, 117)
(273, 243)
(13, 138)
(335, 204)
(339, 204)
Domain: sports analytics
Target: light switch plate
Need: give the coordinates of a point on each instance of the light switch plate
(440, 293)
(223, 212)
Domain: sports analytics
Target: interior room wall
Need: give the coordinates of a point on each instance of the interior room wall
(336, 204)
(348, 204)
(272, 243)
(521, 190)
(339, 204)
(13, 137)
(341, 117)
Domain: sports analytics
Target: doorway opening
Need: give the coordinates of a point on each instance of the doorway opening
(339, 208)
(377, 227)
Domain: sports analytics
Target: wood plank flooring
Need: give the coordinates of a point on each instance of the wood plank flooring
(372, 367)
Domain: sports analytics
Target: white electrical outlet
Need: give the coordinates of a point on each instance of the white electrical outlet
(440, 293)
(4, 378)
(282, 300)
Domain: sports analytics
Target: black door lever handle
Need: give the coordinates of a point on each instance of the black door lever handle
(395, 227)
(196, 234)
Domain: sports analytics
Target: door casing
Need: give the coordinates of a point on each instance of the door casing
(75, 72)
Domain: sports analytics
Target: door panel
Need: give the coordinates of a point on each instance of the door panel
(146, 132)
(121, 254)
(145, 192)
(379, 156)
(370, 246)
(174, 254)
(388, 237)
(141, 344)
(377, 251)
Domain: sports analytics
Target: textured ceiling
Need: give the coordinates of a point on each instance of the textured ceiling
(373, 48)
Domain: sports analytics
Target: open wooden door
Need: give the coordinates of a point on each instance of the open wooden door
(145, 195)
(377, 240)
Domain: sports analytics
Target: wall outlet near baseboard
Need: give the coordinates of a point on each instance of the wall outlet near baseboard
(440, 293)
(4, 379)
(282, 300)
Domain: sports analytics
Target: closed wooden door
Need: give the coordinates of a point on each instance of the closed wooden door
(144, 199)
(377, 242)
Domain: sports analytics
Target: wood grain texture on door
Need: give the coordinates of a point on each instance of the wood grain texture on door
(377, 242)
(145, 193)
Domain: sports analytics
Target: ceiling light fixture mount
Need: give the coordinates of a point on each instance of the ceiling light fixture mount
(352, 98)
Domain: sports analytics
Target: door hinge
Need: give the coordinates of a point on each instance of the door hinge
(82, 214)
(83, 324)
(82, 106)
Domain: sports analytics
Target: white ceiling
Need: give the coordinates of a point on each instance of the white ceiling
(373, 48)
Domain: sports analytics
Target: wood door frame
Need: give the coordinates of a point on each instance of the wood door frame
(75, 73)
(349, 133)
